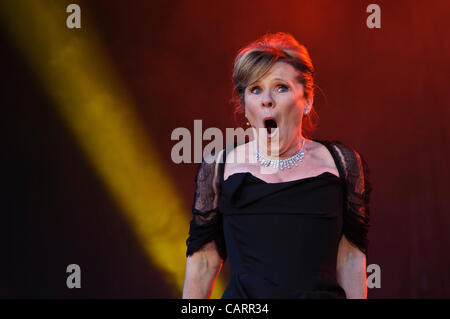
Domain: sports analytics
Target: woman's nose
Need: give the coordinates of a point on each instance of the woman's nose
(267, 101)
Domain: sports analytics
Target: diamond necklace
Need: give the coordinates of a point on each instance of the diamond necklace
(281, 164)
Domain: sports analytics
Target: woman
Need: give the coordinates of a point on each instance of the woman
(299, 232)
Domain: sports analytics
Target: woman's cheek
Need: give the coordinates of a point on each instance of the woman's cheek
(249, 103)
(251, 108)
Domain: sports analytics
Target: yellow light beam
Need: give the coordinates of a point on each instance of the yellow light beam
(95, 106)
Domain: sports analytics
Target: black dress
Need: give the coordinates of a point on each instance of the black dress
(281, 239)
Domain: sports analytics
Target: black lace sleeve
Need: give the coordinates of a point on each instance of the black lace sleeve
(206, 224)
(358, 189)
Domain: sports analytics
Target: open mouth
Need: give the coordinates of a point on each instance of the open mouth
(271, 126)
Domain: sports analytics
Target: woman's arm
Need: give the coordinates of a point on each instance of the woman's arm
(202, 269)
(351, 270)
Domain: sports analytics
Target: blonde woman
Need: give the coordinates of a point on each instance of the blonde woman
(300, 232)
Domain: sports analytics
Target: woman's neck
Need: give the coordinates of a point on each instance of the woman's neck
(271, 149)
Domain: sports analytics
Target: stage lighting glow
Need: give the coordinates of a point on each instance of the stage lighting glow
(87, 93)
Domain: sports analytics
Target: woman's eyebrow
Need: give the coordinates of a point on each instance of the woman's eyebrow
(281, 79)
(275, 79)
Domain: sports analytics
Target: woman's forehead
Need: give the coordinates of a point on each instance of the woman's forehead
(280, 71)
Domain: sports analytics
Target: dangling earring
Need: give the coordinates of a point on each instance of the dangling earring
(306, 112)
(248, 124)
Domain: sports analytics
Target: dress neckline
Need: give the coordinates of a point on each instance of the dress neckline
(326, 143)
(326, 173)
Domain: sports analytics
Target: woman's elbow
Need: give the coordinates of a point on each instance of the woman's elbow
(200, 265)
(351, 276)
(202, 268)
(351, 271)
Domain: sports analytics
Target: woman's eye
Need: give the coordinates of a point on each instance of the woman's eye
(282, 88)
(255, 90)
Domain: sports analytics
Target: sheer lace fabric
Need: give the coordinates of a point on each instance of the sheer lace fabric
(206, 224)
(358, 189)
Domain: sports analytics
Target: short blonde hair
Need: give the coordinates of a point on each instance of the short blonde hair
(256, 59)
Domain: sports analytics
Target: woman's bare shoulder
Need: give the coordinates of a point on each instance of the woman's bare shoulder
(321, 156)
(241, 151)
(238, 159)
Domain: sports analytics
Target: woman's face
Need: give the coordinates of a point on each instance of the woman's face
(277, 96)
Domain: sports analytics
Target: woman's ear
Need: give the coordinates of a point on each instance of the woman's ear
(309, 103)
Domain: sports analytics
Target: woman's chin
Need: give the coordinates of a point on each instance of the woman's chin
(273, 138)
(273, 134)
(264, 134)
